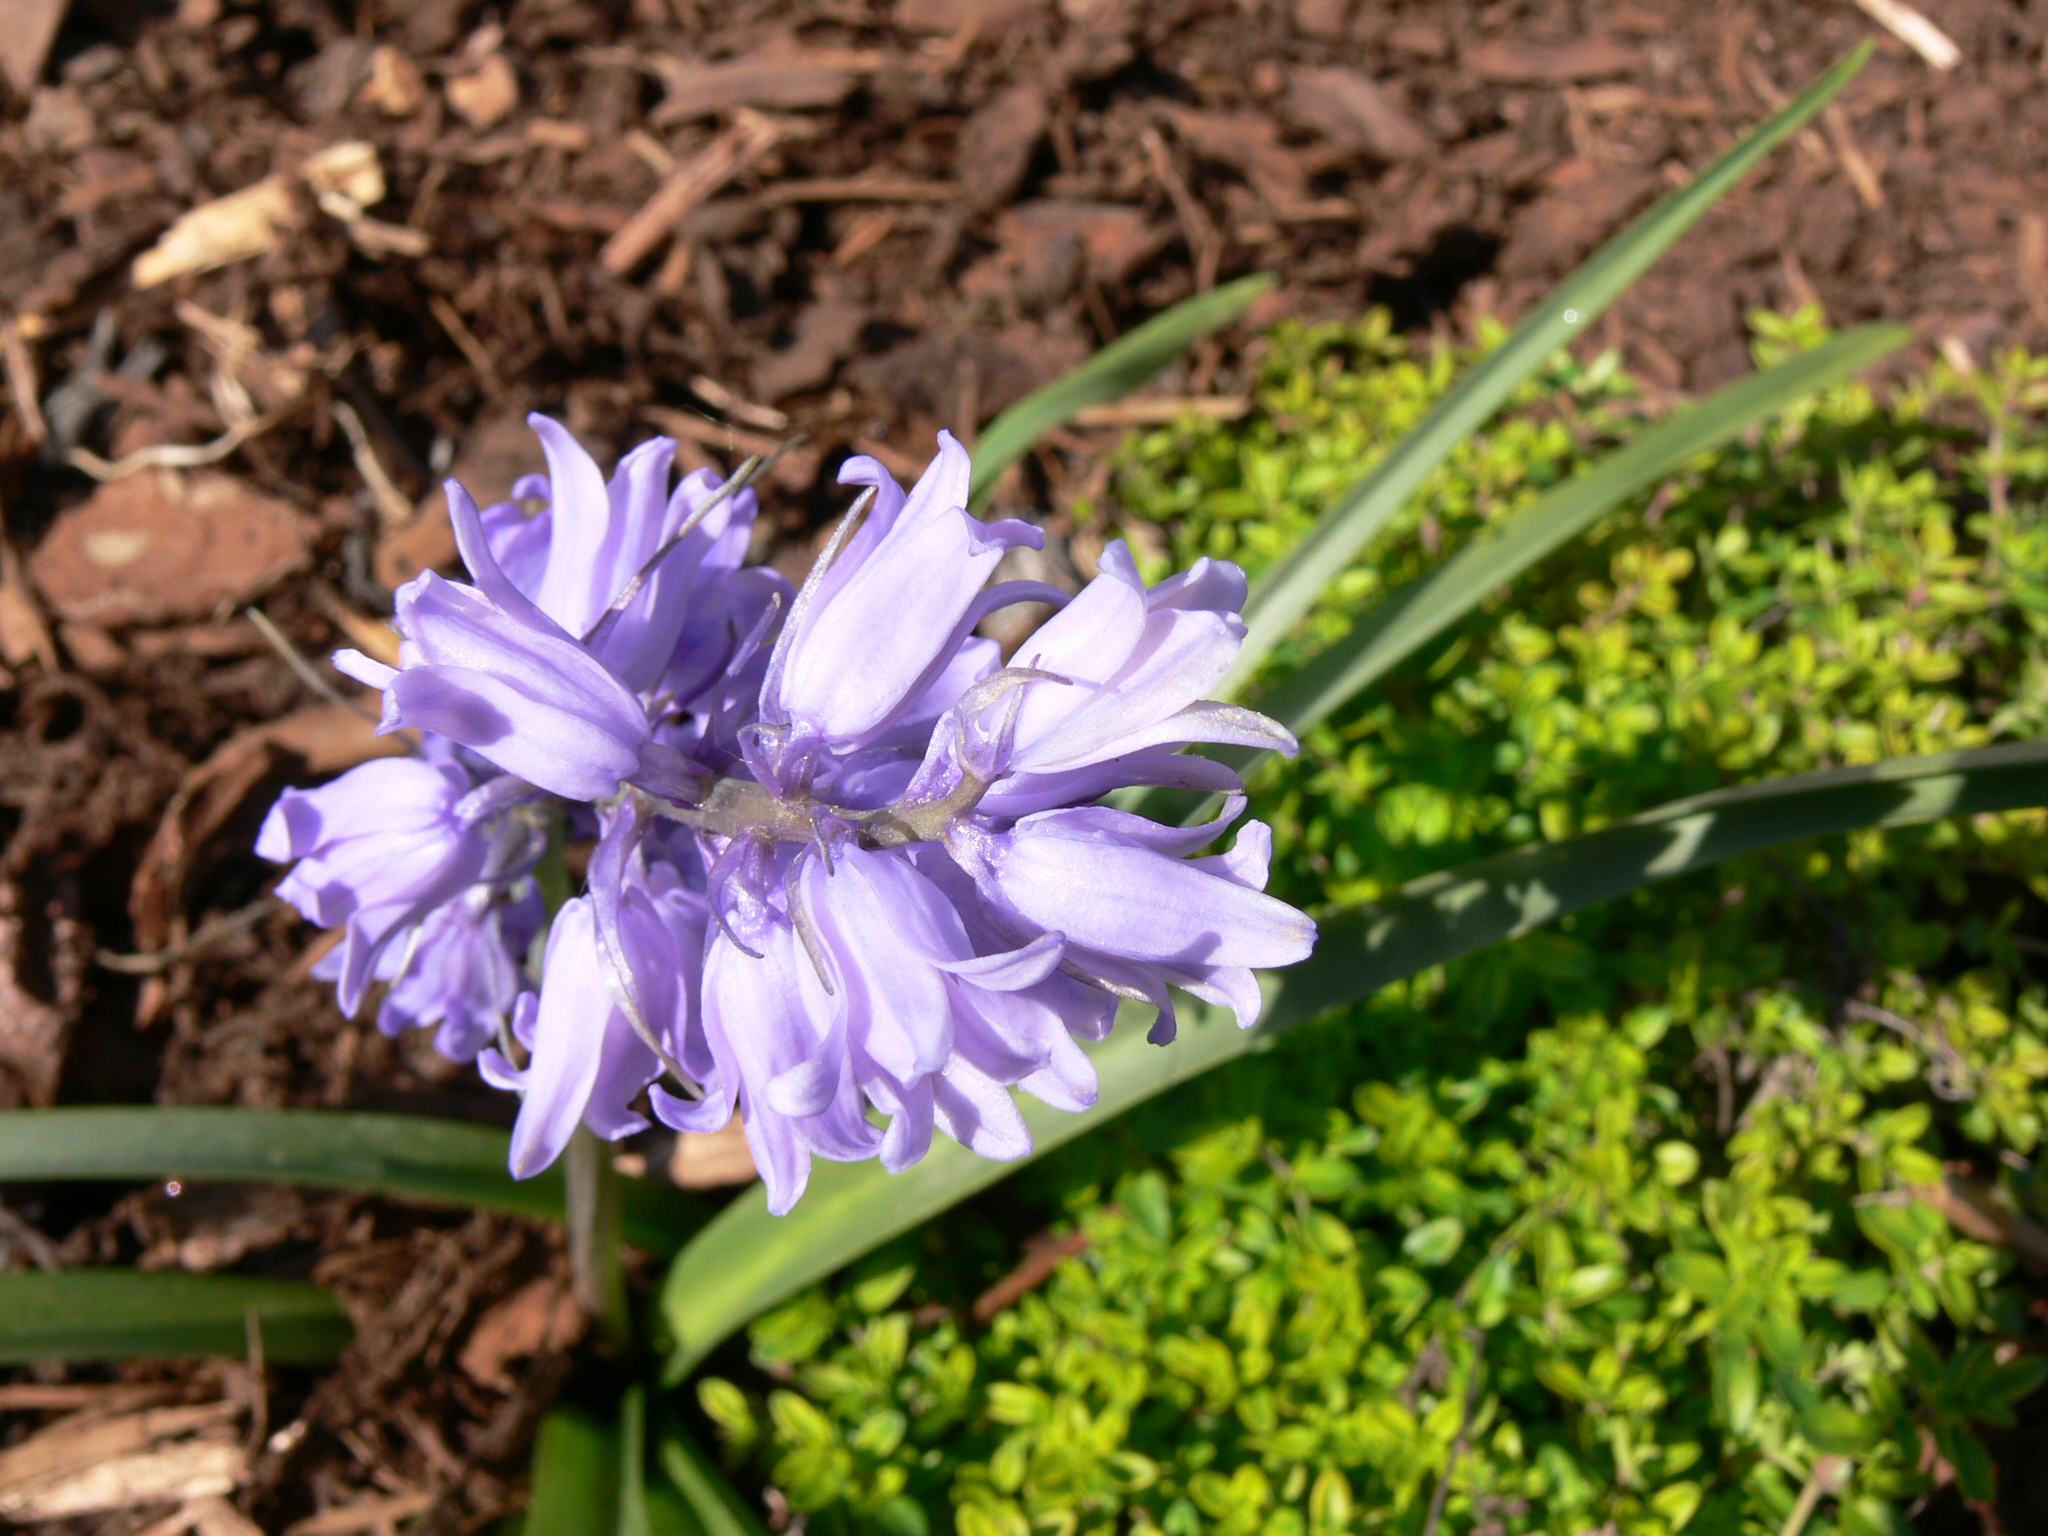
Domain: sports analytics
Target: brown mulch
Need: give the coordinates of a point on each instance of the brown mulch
(852, 219)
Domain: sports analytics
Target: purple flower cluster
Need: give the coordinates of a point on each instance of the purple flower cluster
(846, 859)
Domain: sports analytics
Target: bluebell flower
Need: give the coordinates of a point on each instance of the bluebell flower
(847, 860)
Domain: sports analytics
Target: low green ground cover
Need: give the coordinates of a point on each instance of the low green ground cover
(1635, 1224)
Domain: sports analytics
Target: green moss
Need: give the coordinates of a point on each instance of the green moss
(1626, 1224)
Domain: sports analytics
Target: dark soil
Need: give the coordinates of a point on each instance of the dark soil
(927, 208)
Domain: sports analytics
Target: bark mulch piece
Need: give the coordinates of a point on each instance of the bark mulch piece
(303, 257)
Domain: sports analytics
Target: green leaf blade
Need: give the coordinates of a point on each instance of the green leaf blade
(124, 1314)
(1290, 588)
(1413, 616)
(575, 1476)
(407, 1157)
(1109, 375)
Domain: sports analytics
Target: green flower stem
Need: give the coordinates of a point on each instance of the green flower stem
(591, 1187)
(593, 1196)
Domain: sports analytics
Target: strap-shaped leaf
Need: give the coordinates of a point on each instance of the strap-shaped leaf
(713, 1508)
(590, 1478)
(1414, 615)
(409, 1157)
(746, 1260)
(1422, 610)
(1109, 375)
(1290, 587)
(125, 1314)
(575, 1489)
(1443, 916)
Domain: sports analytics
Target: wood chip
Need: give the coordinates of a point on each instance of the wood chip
(1042, 1256)
(108, 1397)
(344, 179)
(395, 86)
(826, 333)
(369, 1515)
(2032, 258)
(486, 96)
(998, 141)
(465, 339)
(766, 79)
(714, 1159)
(985, 17)
(21, 380)
(552, 133)
(228, 229)
(847, 189)
(25, 40)
(24, 634)
(90, 1462)
(1915, 31)
(217, 1517)
(165, 545)
(719, 398)
(1524, 63)
(1349, 108)
(751, 137)
(541, 1318)
(32, 1031)
(392, 506)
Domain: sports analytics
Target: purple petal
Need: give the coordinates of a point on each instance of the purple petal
(582, 522)
(566, 1057)
(1062, 871)
(979, 1114)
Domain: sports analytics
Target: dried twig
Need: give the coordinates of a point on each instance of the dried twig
(1476, 1337)
(368, 1515)
(39, 1248)
(750, 137)
(1163, 410)
(1855, 164)
(465, 340)
(21, 381)
(392, 505)
(154, 962)
(1033, 1270)
(1915, 31)
(702, 429)
(1204, 243)
(1830, 1475)
(176, 455)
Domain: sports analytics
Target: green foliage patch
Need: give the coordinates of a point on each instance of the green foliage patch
(1636, 1222)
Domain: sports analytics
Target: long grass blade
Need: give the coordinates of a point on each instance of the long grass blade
(1109, 375)
(1287, 590)
(408, 1157)
(746, 1260)
(1425, 608)
(125, 1314)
